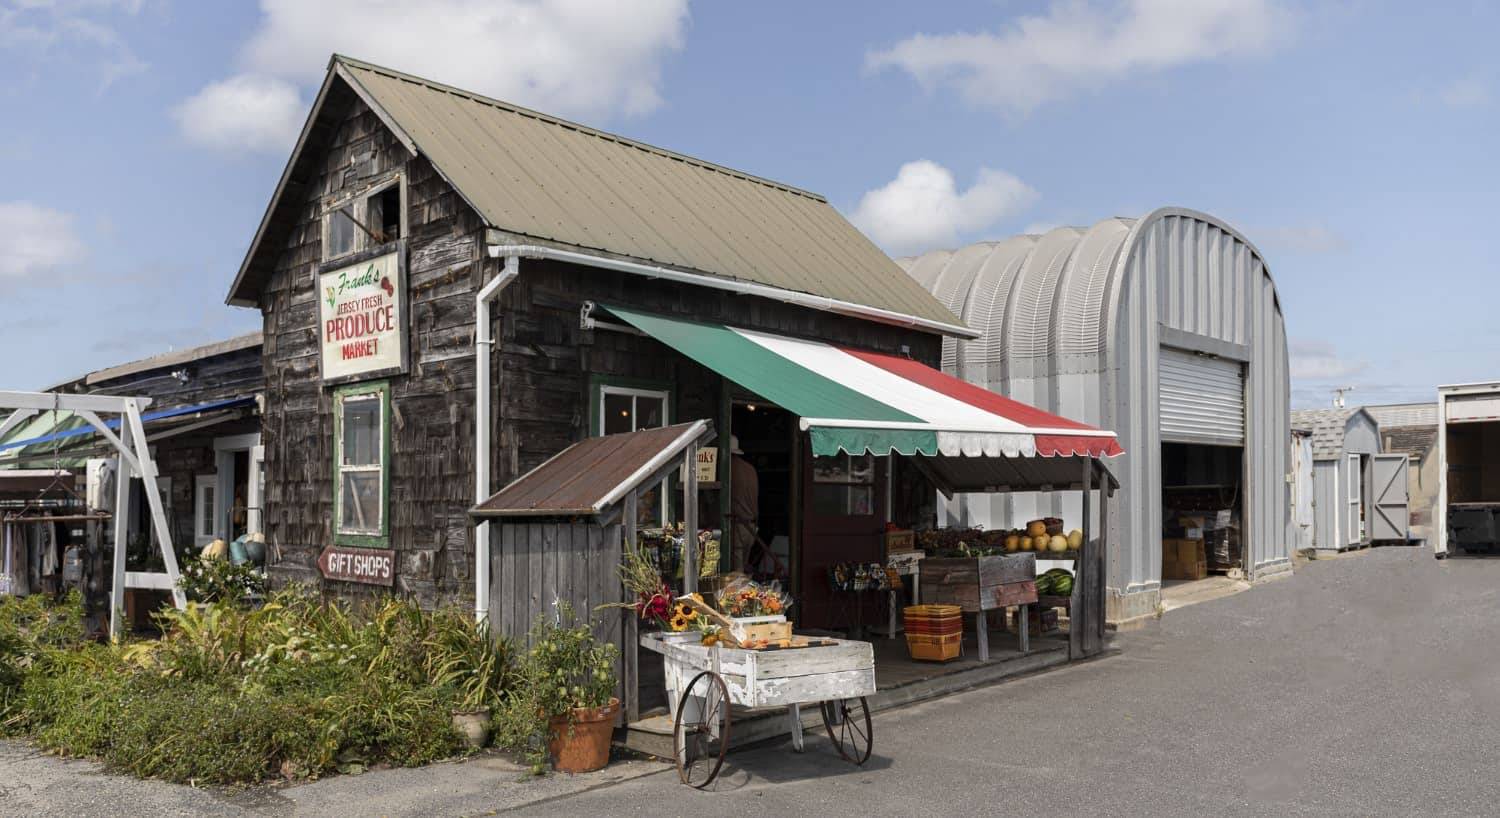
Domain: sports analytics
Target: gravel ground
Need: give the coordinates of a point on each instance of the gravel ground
(1365, 685)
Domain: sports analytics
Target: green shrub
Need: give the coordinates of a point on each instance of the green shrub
(231, 694)
(29, 626)
(213, 580)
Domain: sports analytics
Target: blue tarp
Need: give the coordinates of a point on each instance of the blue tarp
(114, 423)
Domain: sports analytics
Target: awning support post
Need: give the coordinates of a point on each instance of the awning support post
(690, 520)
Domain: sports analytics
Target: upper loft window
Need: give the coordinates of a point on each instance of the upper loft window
(364, 222)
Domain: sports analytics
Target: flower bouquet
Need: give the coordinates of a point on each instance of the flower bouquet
(742, 597)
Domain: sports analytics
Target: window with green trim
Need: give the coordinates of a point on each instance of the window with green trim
(362, 461)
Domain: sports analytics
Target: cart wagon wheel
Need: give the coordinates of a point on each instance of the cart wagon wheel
(848, 724)
(701, 732)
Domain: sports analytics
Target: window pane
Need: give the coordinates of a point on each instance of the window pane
(361, 502)
(206, 511)
(618, 415)
(341, 231)
(361, 429)
(650, 413)
(862, 469)
(831, 469)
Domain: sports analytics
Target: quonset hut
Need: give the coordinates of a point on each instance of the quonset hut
(1165, 328)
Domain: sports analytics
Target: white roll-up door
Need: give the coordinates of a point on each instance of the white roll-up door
(1202, 399)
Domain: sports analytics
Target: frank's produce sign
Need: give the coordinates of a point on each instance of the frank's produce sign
(361, 323)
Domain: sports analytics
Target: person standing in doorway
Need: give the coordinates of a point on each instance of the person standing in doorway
(744, 504)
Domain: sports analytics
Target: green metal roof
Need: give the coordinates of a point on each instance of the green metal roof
(537, 176)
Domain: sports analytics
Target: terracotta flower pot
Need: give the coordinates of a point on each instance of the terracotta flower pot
(583, 745)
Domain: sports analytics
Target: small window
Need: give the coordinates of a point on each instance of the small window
(844, 485)
(341, 232)
(624, 409)
(363, 223)
(384, 214)
(362, 461)
(205, 508)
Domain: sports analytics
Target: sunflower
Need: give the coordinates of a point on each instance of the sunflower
(678, 622)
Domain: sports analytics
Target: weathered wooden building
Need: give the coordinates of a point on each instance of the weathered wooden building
(415, 222)
(203, 423)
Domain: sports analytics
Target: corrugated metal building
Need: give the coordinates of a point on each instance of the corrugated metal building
(1411, 429)
(1165, 328)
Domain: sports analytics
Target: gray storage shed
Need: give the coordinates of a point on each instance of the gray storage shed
(1165, 328)
(1359, 494)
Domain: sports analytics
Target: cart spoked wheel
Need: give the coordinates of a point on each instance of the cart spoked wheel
(701, 732)
(849, 728)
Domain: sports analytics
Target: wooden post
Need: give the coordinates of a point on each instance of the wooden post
(1082, 571)
(122, 531)
(690, 521)
(632, 646)
(1098, 563)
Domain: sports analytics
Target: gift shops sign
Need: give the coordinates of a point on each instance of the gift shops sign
(370, 566)
(362, 322)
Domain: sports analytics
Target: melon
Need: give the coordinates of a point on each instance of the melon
(1057, 543)
(1075, 539)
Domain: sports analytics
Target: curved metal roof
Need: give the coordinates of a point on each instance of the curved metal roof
(1047, 296)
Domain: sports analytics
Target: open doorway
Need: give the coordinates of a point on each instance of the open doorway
(765, 433)
(1202, 497)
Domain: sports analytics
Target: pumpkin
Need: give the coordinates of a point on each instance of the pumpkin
(1057, 543)
(1039, 543)
(216, 550)
(1012, 543)
(1075, 539)
(1023, 543)
(1036, 528)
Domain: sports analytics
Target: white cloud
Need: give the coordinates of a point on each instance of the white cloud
(38, 240)
(1469, 92)
(574, 58)
(72, 31)
(1320, 361)
(923, 208)
(1080, 45)
(1302, 239)
(245, 112)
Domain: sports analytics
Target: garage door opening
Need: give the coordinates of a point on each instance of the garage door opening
(1473, 483)
(1202, 497)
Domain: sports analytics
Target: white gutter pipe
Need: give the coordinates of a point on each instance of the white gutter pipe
(513, 253)
(483, 341)
(816, 302)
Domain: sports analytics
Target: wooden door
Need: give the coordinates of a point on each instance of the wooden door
(843, 520)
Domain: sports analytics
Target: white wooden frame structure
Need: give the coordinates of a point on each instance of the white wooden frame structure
(133, 460)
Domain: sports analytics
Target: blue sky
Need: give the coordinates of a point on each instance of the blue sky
(1353, 142)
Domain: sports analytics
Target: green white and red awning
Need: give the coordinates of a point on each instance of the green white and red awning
(857, 401)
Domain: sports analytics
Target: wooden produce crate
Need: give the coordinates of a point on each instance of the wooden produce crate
(934, 648)
(765, 628)
(899, 542)
(980, 583)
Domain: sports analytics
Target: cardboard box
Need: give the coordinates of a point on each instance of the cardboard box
(1183, 559)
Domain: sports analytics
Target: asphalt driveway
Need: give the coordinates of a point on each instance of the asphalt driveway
(1365, 685)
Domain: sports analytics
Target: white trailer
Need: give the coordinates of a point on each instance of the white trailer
(1467, 517)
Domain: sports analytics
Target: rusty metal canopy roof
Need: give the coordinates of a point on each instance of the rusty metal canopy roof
(594, 474)
(538, 176)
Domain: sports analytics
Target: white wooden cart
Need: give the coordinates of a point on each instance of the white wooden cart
(703, 682)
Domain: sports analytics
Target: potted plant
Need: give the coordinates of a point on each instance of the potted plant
(473, 668)
(572, 676)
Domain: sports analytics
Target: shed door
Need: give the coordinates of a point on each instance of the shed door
(1388, 487)
(1202, 399)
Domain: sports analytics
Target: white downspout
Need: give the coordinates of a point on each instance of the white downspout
(483, 341)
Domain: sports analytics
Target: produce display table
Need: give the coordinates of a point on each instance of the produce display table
(982, 584)
(704, 681)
